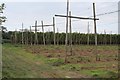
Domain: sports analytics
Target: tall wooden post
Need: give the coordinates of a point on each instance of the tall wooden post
(79, 38)
(36, 37)
(57, 37)
(54, 30)
(22, 35)
(43, 32)
(104, 37)
(110, 37)
(27, 36)
(70, 29)
(48, 37)
(95, 24)
(88, 34)
(66, 41)
(30, 35)
(15, 38)
(12, 38)
(95, 32)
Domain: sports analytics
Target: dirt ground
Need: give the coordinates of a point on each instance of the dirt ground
(106, 53)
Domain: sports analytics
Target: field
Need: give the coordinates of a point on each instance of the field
(39, 61)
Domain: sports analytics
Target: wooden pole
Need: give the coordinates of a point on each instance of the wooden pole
(95, 31)
(54, 30)
(110, 37)
(88, 34)
(43, 32)
(70, 33)
(30, 35)
(48, 37)
(36, 37)
(104, 37)
(102, 40)
(66, 41)
(11, 37)
(15, 39)
(22, 35)
(95, 24)
(27, 36)
(57, 37)
(79, 38)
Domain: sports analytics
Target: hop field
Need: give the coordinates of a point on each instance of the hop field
(48, 62)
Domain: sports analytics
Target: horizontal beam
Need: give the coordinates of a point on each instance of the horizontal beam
(43, 25)
(77, 17)
(28, 30)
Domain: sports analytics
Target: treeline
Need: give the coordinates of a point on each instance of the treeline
(77, 38)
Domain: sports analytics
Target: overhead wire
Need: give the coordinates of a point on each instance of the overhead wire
(101, 14)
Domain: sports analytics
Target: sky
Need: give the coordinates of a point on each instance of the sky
(28, 12)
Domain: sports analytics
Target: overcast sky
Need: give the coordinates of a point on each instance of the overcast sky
(28, 12)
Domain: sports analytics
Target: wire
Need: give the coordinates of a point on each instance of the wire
(106, 13)
(105, 7)
(97, 9)
(108, 23)
(102, 14)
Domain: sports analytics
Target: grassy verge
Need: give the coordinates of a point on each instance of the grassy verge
(17, 63)
(20, 63)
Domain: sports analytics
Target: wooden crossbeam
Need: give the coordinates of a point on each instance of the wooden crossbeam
(27, 30)
(77, 17)
(43, 25)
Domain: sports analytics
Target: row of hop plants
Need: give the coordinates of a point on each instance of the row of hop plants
(77, 38)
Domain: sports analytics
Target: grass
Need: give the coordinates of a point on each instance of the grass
(19, 62)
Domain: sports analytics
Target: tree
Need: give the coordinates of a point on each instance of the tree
(2, 18)
(3, 29)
